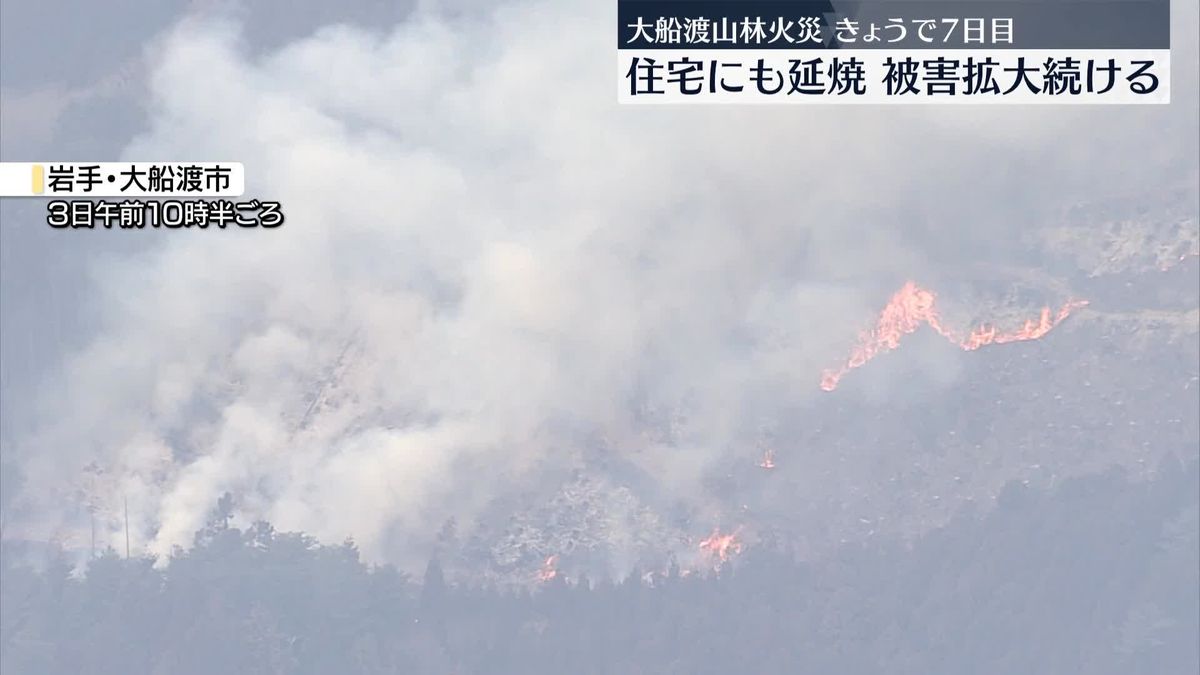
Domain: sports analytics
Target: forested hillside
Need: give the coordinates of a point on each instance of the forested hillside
(1098, 575)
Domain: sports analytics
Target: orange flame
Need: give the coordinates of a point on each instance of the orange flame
(913, 306)
(548, 570)
(719, 547)
(768, 459)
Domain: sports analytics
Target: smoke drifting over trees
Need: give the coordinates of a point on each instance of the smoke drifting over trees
(1097, 576)
(478, 293)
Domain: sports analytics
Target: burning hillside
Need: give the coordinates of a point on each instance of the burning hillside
(912, 307)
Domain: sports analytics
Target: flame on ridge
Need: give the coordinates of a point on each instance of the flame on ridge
(913, 306)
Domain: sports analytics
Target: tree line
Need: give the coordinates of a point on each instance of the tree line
(1099, 575)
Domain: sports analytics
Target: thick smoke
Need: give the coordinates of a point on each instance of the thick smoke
(487, 263)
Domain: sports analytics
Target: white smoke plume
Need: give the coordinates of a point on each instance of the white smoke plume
(484, 255)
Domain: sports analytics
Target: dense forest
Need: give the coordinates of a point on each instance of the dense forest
(1099, 575)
